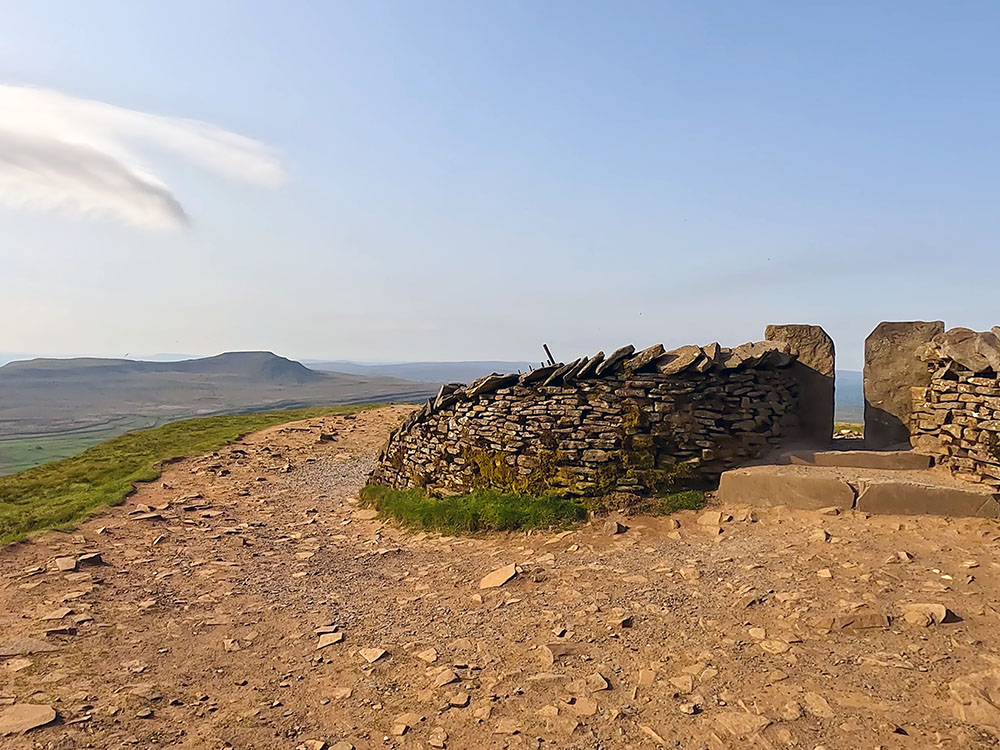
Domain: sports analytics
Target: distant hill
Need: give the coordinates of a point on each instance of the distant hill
(80, 401)
(425, 372)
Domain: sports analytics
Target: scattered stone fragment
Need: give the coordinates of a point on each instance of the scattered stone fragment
(741, 724)
(66, 564)
(924, 615)
(498, 577)
(22, 717)
(405, 722)
(791, 711)
(459, 700)
(597, 682)
(553, 652)
(372, 655)
(613, 528)
(689, 573)
(437, 737)
(710, 518)
(816, 705)
(328, 639)
(824, 573)
(57, 614)
(90, 559)
(445, 677)
(976, 699)
(774, 646)
(684, 683)
(584, 706)
(429, 655)
(507, 726)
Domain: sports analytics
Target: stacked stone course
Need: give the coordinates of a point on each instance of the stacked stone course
(957, 417)
(629, 422)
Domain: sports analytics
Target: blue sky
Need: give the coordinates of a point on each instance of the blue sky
(467, 179)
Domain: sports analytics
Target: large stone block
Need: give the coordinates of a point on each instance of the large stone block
(920, 498)
(892, 367)
(814, 371)
(794, 487)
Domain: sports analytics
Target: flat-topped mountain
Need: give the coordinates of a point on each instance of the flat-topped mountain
(253, 366)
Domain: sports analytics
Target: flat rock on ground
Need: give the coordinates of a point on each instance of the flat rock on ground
(201, 627)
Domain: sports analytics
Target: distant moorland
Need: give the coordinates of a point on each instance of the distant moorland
(53, 408)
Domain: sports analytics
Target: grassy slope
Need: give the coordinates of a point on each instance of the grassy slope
(61, 493)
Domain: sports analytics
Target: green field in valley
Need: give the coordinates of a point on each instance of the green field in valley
(21, 452)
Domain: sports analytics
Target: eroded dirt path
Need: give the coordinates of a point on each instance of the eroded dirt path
(199, 628)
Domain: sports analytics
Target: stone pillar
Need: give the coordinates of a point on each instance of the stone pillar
(892, 368)
(814, 373)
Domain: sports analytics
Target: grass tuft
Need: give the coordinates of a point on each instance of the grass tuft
(482, 510)
(61, 493)
(687, 500)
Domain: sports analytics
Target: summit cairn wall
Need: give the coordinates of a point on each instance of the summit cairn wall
(633, 422)
(956, 417)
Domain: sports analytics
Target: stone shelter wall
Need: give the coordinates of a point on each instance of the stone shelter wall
(957, 417)
(629, 422)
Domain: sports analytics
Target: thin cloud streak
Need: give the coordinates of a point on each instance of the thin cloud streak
(81, 157)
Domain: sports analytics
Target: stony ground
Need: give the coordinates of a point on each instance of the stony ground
(245, 601)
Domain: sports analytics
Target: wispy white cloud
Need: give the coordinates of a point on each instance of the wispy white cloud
(83, 157)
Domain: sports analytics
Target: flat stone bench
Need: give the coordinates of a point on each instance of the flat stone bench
(903, 492)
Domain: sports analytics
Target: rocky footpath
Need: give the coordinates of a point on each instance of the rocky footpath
(246, 601)
(631, 422)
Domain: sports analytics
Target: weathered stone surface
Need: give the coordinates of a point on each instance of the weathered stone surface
(918, 498)
(889, 460)
(538, 375)
(21, 717)
(976, 699)
(893, 365)
(779, 485)
(678, 360)
(613, 359)
(976, 352)
(643, 359)
(498, 577)
(589, 369)
(493, 383)
(814, 370)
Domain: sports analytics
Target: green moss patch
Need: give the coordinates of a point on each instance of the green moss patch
(479, 511)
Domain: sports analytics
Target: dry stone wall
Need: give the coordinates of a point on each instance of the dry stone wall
(957, 417)
(629, 422)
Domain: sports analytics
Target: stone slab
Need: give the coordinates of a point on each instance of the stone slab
(888, 460)
(814, 370)
(892, 367)
(911, 498)
(780, 485)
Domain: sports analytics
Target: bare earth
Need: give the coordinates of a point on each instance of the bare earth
(199, 628)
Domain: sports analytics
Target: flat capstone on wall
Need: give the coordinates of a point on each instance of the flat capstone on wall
(630, 422)
(957, 417)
